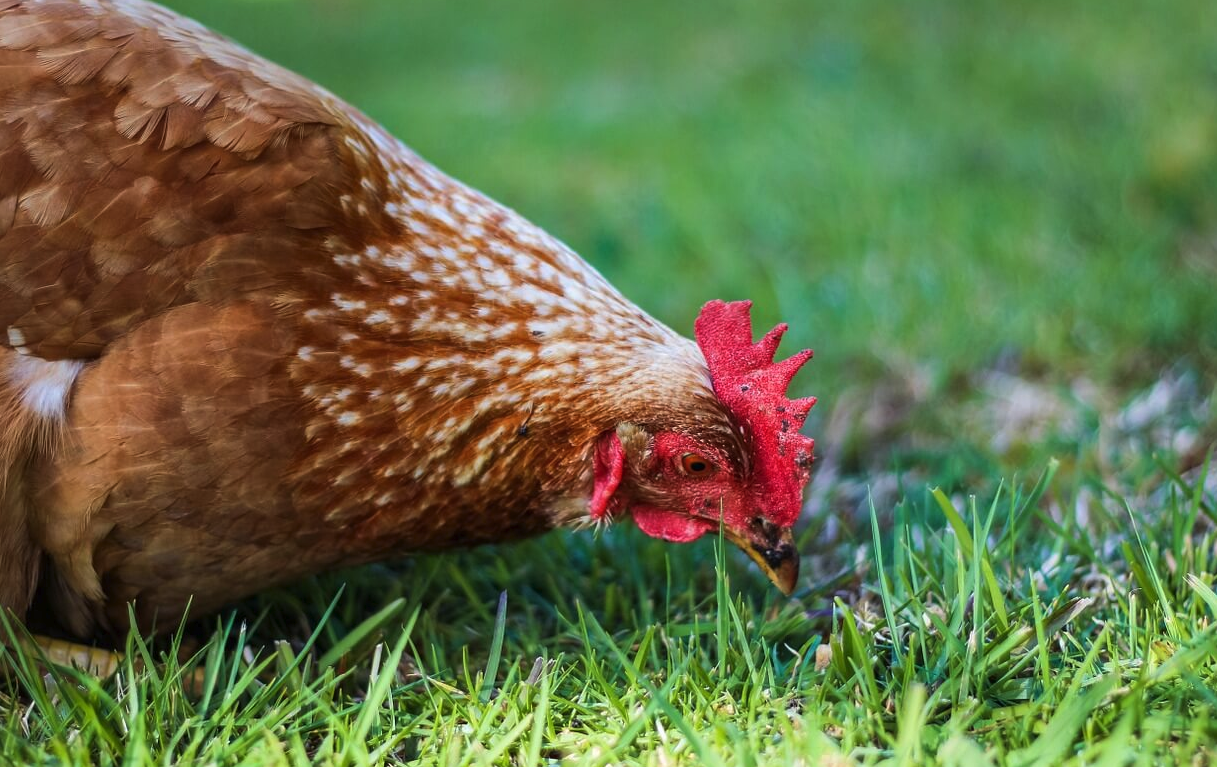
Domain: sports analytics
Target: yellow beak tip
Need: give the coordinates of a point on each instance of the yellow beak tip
(778, 559)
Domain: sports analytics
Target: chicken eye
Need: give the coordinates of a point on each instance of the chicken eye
(696, 466)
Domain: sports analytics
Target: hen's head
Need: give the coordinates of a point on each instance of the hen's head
(744, 464)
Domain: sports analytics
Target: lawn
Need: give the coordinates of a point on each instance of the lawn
(996, 223)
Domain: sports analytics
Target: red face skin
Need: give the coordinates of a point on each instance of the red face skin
(676, 487)
(696, 485)
(746, 473)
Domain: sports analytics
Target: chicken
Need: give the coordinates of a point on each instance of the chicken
(246, 335)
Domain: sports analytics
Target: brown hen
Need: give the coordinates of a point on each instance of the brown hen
(246, 335)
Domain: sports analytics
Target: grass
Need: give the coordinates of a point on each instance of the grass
(958, 639)
(995, 223)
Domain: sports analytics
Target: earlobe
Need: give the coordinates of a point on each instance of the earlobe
(608, 470)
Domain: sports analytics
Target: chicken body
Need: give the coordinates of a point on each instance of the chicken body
(246, 335)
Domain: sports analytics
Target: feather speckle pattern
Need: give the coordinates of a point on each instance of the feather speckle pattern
(289, 342)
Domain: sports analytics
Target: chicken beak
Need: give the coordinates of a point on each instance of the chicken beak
(773, 549)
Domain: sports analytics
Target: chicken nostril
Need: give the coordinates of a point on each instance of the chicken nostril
(766, 529)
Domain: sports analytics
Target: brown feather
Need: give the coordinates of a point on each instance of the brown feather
(305, 346)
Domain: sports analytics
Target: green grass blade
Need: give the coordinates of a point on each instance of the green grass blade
(496, 650)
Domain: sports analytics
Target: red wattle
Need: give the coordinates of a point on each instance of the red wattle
(669, 526)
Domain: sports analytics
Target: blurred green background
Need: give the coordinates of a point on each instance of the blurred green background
(927, 186)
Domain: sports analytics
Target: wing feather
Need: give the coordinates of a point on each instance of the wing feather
(146, 162)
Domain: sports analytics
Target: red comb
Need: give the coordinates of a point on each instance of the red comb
(753, 388)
